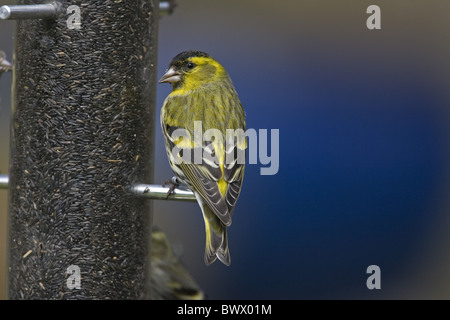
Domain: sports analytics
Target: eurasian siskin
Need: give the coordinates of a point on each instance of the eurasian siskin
(203, 125)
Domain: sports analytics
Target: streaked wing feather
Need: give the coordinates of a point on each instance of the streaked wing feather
(234, 175)
(233, 191)
(199, 176)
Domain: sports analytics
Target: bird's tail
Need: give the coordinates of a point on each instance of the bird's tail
(216, 238)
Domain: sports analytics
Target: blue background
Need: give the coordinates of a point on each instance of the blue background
(363, 118)
(364, 176)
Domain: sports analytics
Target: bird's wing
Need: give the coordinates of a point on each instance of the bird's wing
(205, 178)
(234, 174)
(218, 176)
(204, 175)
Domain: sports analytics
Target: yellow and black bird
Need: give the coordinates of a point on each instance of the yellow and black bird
(203, 124)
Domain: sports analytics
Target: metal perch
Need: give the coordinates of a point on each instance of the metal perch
(149, 191)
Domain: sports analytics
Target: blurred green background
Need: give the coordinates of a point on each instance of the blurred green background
(364, 147)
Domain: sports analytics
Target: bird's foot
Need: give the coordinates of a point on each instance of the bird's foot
(172, 183)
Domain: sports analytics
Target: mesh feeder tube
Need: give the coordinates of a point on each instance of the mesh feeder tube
(82, 131)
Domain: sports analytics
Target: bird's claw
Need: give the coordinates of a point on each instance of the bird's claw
(173, 183)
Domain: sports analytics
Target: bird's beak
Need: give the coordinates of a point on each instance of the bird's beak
(171, 76)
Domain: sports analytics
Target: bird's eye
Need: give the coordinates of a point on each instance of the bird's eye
(190, 65)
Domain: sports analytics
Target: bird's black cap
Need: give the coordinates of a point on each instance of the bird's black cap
(183, 56)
